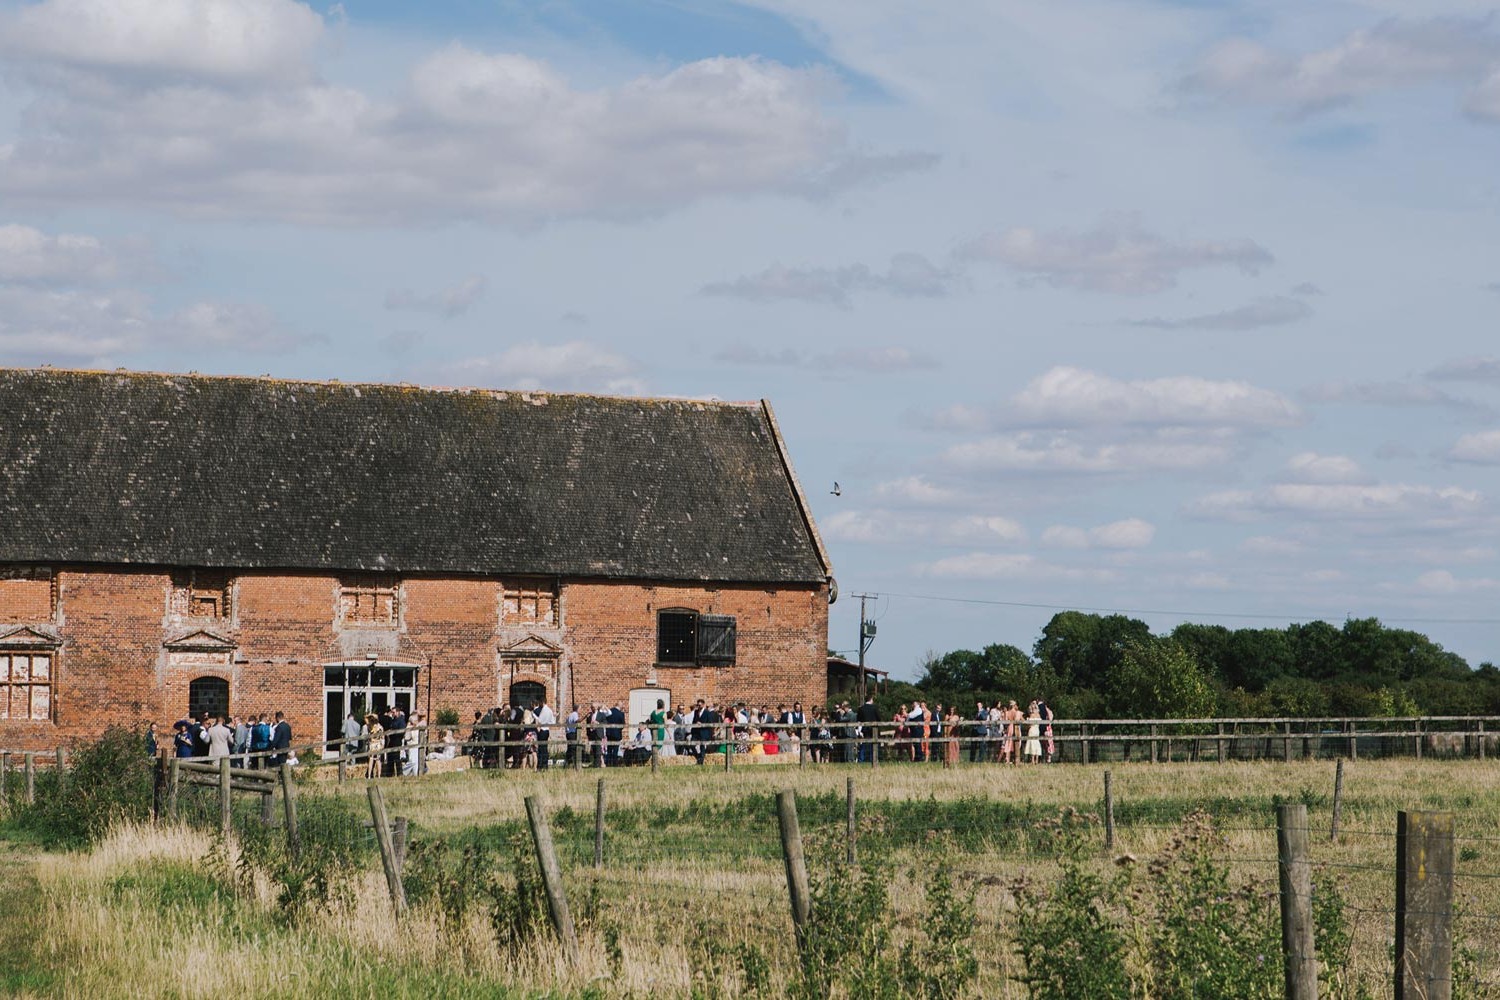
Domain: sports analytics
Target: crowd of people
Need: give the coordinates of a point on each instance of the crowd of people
(253, 741)
(391, 743)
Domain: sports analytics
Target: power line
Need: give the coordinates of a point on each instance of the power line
(1177, 614)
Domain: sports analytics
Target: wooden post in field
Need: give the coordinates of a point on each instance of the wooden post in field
(875, 749)
(28, 764)
(158, 789)
(796, 864)
(174, 781)
(850, 829)
(226, 803)
(61, 760)
(1286, 742)
(546, 858)
(1083, 741)
(343, 768)
(1481, 739)
(1424, 905)
(289, 804)
(1338, 800)
(267, 806)
(399, 841)
(387, 848)
(1297, 947)
(1153, 743)
(1109, 812)
(655, 757)
(1417, 739)
(728, 750)
(1220, 754)
(599, 825)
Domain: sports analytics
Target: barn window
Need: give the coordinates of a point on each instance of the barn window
(201, 593)
(686, 637)
(532, 602)
(25, 685)
(369, 599)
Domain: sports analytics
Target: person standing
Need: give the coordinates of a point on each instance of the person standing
(979, 733)
(219, 738)
(658, 723)
(281, 740)
(151, 739)
(351, 733)
(1032, 751)
(373, 735)
(950, 737)
(570, 730)
(260, 741)
(241, 742)
(545, 720)
(615, 733)
(183, 744)
(868, 718)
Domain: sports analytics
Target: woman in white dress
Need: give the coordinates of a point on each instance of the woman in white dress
(668, 746)
(1032, 751)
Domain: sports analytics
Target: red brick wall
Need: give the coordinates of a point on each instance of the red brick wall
(113, 665)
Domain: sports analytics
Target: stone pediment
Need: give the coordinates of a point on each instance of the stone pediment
(200, 640)
(532, 645)
(28, 637)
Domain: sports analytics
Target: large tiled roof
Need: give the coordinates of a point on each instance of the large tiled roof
(117, 467)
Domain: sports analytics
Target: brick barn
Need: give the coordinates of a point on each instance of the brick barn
(176, 543)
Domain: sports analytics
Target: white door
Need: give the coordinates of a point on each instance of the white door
(643, 702)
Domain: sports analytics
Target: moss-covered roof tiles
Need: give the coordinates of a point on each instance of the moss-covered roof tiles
(116, 467)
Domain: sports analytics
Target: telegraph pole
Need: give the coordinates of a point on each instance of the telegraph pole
(866, 637)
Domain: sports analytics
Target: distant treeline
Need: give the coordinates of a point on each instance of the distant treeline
(1089, 666)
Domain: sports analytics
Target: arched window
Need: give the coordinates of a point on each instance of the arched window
(527, 693)
(208, 694)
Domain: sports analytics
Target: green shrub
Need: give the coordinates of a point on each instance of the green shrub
(108, 781)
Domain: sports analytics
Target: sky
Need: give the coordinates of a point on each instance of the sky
(1182, 309)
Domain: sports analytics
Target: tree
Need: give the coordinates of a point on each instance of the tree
(1081, 650)
(1158, 679)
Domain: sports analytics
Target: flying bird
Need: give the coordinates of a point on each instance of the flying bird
(836, 491)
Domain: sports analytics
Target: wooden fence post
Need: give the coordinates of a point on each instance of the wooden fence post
(875, 749)
(1417, 739)
(226, 803)
(267, 806)
(1481, 739)
(796, 864)
(60, 758)
(1297, 947)
(546, 859)
(1153, 742)
(1083, 741)
(599, 825)
(158, 789)
(399, 841)
(289, 804)
(28, 764)
(387, 848)
(174, 782)
(1424, 905)
(1109, 812)
(1286, 742)
(1338, 800)
(4, 776)
(850, 828)
(1221, 743)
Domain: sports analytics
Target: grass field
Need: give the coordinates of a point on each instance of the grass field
(691, 899)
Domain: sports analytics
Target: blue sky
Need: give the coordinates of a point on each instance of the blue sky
(1183, 309)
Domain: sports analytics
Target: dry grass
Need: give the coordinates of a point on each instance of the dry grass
(666, 885)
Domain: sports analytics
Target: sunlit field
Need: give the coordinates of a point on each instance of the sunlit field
(692, 878)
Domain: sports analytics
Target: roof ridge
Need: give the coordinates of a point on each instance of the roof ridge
(338, 383)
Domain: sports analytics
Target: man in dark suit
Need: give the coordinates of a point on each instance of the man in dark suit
(703, 730)
(615, 733)
(281, 740)
(868, 716)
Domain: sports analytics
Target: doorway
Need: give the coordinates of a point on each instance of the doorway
(527, 693)
(365, 686)
(643, 702)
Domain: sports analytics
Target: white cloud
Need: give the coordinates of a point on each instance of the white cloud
(1067, 396)
(915, 490)
(40, 326)
(1442, 581)
(448, 302)
(1471, 369)
(1118, 255)
(1008, 566)
(1480, 448)
(475, 136)
(1310, 467)
(1341, 500)
(30, 256)
(1272, 545)
(1131, 533)
(1025, 451)
(1274, 311)
(575, 366)
(1392, 54)
(909, 274)
(888, 527)
(225, 40)
(1484, 101)
(1398, 393)
(1209, 581)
